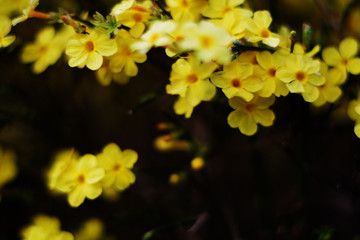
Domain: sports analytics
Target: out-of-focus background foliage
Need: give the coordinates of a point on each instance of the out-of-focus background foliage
(299, 179)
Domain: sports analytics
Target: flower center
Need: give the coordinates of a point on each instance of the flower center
(345, 62)
(184, 3)
(81, 179)
(228, 9)
(154, 37)
(89, 46)
(192, 78)
(206, 41)
(126, 52)
(272, 72)
(301, 76)
(236, 83)
(137, 17)
(116, 167)
(250, 108)
(265, 33)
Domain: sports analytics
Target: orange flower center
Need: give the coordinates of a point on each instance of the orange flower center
(116, 167)
(154, 37)
(265, 33)
(272, 72)
(89, 46)
(184, 3)
(250, 108)
(192, 78)
(137, 17)
(301, 76)
(126, 52)
(81, 179)
(236, 83)
(345, 62)
(206, 41)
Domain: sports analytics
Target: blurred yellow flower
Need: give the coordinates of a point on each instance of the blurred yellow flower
(185, 10)
(222, 8)
(92, 229)
(47, 48)
(5, 27)
(45, 227)
(197, 163)
(8, 169)
(26, 12)
(344, 58)
(181, 106)
(117, 165)
(330, 91)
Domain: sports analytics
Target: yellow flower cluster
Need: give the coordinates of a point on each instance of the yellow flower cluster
(44, 227)
(219, 44)
(87, 176)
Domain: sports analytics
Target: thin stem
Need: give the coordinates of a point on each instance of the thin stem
(241, 48)
(162, 9)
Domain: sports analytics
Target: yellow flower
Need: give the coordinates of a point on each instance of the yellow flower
(248, 57)
(47, 48)
(122, 6)
(237, 79)
(344, 58)
(117, 165)
(8, 169)
(209, 42)
(135, 18)
(82, 180)
(267, 66)
(181, 106)
(31, 5)
(10, 7)
(330, 90)
(45, 228)
(5, 27)
(221, 8)
(354, 113)
(190, 79)
(259, 27)
(89, 49)
(105, 75)
(301, 75)
(248, 114)
(158, 35)
(63, 161)
(125, 57)
(185, 10)
(92, 229)
(234, 24)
